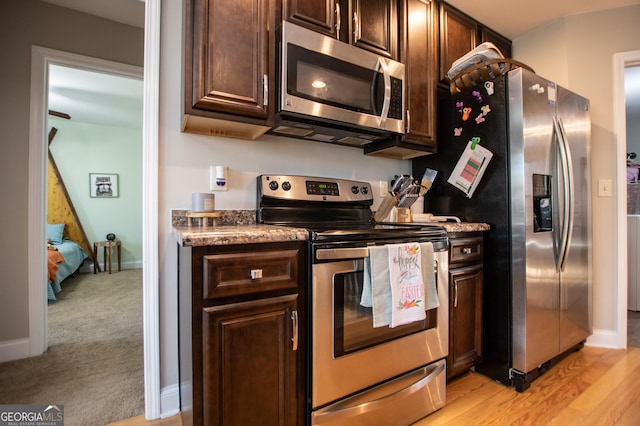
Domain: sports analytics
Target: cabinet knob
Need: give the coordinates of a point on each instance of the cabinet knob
(467, 250)
(256, 274)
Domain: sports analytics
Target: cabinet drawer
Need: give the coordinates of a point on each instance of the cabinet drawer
(465, 250)
(237, 274)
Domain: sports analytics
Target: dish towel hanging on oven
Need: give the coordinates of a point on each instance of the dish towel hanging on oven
(399, 283)
(429, 276)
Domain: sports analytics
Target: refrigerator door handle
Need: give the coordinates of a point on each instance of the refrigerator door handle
(567, 193)
(570, 195)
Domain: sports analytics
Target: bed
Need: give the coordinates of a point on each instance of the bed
(64, 259)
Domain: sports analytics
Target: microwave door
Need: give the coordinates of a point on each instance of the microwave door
(334, 81)
(328, 81)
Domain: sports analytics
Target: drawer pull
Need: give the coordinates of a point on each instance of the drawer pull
(256, 274)
(467, 250)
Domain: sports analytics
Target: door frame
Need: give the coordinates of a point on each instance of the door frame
(37, 198)
(620, 62)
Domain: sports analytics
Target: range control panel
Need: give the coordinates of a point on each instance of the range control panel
(307, 188)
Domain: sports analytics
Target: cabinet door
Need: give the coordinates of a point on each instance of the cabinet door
(228, 53)
(317, 15)
(501, 42)
(465, 319)
(421, 70)
(374, 26)
(457, 37)
(249, 363)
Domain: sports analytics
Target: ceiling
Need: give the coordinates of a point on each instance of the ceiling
(85, 96)
(96, 98)
(93, 97)
(513, 18)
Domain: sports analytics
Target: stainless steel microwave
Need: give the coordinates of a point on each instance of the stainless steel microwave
(330, 84)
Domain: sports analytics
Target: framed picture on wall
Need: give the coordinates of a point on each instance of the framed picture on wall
(103, 185)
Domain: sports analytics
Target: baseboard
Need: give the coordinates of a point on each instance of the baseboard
(169, 401)
(88, 267)
(605, 339)
(12, 350)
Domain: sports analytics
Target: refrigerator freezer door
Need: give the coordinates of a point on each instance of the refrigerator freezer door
(575, 289)
(535, 282)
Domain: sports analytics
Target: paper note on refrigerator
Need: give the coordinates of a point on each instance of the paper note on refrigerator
(471, 166)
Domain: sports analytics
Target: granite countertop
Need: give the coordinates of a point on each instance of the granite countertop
(455, 227)
(193, 236)
(239, 227)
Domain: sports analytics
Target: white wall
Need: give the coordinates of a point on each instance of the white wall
(184, 169)
(81, 148)
(577, 52)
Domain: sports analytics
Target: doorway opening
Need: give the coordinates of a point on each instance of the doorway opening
(632, 125)
(43, 61)
(622, 61)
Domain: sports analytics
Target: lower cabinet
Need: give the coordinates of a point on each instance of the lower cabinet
(249, 362)
(465, 304)
(242, 340)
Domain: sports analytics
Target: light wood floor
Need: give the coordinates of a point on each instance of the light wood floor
(591, 387)
(140, 421)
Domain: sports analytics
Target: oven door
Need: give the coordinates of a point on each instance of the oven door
(348, 353)
(329, 79)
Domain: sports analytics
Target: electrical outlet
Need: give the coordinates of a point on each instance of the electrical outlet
(384, 188)
(604, 188)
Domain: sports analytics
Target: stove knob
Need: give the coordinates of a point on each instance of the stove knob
(355, 189)
(273, 185)
(286, 185)
(365, 190)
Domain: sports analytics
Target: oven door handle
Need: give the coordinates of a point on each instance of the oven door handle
(339, 409)
(341, 253)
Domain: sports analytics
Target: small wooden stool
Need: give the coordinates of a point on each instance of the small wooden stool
(107, 254)
(203, 219)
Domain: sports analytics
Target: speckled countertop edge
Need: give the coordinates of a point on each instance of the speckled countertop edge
(454, 227)
(237, 234)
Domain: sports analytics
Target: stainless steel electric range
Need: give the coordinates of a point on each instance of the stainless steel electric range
(359, 374)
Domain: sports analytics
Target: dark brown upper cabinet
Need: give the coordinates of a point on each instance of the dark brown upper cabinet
(230, 67)
(422, 72)
(374, 26)
(501, 42)
(368, 24)
(316, 15)
(458, 35)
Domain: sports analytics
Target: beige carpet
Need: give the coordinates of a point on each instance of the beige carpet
(94, 365)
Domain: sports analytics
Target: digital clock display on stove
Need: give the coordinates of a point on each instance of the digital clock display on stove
(322, 188)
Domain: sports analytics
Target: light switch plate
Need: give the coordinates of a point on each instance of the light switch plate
(604, 188)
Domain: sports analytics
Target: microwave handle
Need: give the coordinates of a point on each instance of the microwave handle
(338, 20)
(382, 64)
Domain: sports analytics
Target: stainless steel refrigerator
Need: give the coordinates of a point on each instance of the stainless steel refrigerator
(535, 194)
